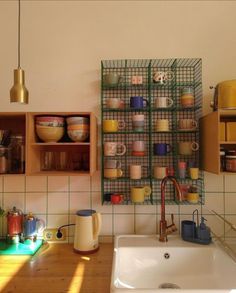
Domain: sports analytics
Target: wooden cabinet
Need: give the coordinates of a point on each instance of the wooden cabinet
(80, 157)
(213, 138)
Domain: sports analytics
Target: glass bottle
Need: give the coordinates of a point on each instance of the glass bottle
(4, 160)
(17, 147)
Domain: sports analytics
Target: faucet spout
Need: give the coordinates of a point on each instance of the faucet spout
(164, 228)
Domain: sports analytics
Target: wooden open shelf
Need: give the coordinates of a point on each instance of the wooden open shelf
(21, 123)
(210, 139)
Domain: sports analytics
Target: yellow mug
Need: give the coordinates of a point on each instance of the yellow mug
(193, 197)
(138, 193)
(112, 173)
(194, 173)
(113, 125)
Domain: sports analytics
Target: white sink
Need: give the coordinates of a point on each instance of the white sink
(143, 264)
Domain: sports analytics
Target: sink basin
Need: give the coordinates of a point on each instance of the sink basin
(143, 264)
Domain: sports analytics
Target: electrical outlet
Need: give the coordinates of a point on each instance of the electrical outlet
(50, 234)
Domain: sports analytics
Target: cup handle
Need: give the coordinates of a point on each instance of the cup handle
(119, 172)
(194, 123)
(118, 165)
(170, 101)
(147, 190)
(195, 146)
(147, 103)
(169, 75)
(121, 124)
(123, 151)
(169, 148)
(40, 225)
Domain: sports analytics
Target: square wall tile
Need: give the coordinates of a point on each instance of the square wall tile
(106, 228)
(79, 201)
(229, 232)
(230, 183)
(145, 224)
(97, 204)
(213, 201)
(213, 182)
(58, 183)
(123, 224)
(215, 224)
(14, 199)
(188, 209)
(96, 181)
(71, 229)
(80, 183)
(36, 183)
(55, 221)
(230, 203)
(14, 183)
(58, 203)
(145, 209)
(123, 209)
(169, 209)
(36, 203)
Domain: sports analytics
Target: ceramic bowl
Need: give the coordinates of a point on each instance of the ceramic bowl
(52, 123)
(49, 134)
(78, 135)
(77, 120)
(78, 127)
(50, 119)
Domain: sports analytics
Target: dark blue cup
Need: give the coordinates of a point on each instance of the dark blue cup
(161, 149)
(137, 102)
(188, 229)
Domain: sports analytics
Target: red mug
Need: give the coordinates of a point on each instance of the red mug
(116, 198)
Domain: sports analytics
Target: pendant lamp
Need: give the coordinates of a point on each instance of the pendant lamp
(19, 93)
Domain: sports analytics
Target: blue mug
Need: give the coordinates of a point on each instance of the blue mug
(161, 149)
(137, 102)
(188, 229)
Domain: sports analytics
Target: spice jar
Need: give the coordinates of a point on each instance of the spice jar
(222, 160)
(187, 97)
(230, 163)
(17, 146)
(4, 159)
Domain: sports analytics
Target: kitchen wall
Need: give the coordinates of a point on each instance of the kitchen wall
(62, 45)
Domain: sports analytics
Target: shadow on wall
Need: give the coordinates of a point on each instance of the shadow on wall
(57, 269)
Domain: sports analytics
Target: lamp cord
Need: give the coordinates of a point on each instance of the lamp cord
(19, 34)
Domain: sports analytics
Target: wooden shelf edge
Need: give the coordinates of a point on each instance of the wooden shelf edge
(227, 142)
(59, 173)
(58, 143)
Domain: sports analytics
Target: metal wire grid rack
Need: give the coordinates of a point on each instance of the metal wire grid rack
(186, 72)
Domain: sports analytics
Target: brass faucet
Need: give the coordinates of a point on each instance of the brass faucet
(164, 228)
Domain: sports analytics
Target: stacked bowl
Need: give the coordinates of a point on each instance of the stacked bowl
(50, 128)
(78, 128)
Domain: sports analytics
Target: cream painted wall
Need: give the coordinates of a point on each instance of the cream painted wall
(63, 43)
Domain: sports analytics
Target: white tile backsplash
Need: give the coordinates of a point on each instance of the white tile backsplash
(80, 183)
(36, 183)
(57, 198)
(58, 203)
(14, 183)
(36, 202)
(58, 183)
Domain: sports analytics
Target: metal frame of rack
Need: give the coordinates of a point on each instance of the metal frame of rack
(186, 72)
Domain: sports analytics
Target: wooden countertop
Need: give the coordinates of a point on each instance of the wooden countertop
(55, 268)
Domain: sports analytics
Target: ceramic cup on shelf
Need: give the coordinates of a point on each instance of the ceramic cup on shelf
(114, 149)
(162, 125)
(187, 124)
(113, 173)
(163, 102)
(113, 103)
(112, 164)
(112, 79)
(160, 172)
(138, 122)
(139, 193)
(138, 102)
(161, 149)
(135, 171)
(110, 125)
(187, 147)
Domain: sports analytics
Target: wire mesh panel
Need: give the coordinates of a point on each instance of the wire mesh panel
(155, 106)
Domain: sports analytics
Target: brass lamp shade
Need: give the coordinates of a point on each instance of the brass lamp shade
(19, 93)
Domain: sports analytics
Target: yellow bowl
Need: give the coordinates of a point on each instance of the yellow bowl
(49, 134)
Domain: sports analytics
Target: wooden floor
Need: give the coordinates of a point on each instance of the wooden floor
(57, 269)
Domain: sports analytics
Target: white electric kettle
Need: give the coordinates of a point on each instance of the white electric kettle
(87, 229)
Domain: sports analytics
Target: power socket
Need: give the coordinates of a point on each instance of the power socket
(50, 234)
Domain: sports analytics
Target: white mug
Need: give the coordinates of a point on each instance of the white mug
(187, 124)
(114, 149)
(135, 171)
(163, 102)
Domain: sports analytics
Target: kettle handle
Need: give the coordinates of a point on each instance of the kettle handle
(97, 221)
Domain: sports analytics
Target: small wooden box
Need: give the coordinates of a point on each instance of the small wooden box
(222, 131)
(231, 131)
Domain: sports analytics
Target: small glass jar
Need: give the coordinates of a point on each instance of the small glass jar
(17, 148)
(222, 160)
(230, 163)
(4, 160)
